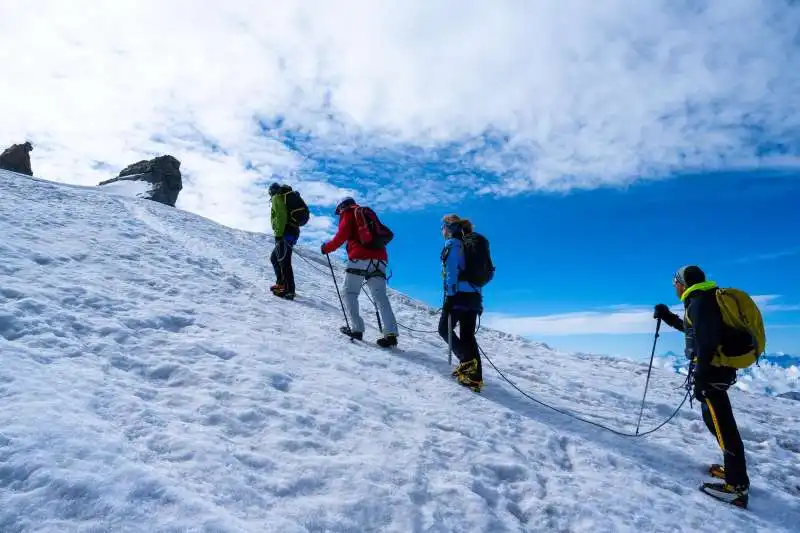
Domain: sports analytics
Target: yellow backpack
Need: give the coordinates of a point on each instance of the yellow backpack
(739, 311)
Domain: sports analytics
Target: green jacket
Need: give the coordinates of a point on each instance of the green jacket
(280, 215)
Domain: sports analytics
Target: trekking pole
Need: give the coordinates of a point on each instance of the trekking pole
(335, 284)
(449, 339)
(375, 305)
(378, 316)
(647, 382)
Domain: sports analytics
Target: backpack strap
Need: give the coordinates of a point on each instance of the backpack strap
(290, 214)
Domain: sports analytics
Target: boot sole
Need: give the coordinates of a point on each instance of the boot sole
(740, 503)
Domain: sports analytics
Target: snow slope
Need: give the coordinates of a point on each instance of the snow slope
(150, 383)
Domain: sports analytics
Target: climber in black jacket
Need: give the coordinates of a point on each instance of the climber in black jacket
(705, 334)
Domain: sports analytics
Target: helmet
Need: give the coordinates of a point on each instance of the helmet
(344, 204)
(274, 189)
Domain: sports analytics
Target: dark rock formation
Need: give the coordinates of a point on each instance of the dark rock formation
(162, 173)
(17, 158)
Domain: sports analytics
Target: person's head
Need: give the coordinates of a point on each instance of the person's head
(28, 146)
(274, 189)
(687, 276)
(455, 226)
(346, 202)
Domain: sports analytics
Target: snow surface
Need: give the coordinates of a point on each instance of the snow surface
(150, 383)
(131, 188)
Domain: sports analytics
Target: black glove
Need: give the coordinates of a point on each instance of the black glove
(662, 312)
(322, 248)
(447, 306)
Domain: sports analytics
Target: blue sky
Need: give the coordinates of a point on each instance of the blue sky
(613, 252)
(596, 143)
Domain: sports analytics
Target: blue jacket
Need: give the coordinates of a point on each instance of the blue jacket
(453, 262)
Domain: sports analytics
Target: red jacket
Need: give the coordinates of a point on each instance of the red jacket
(347, 232)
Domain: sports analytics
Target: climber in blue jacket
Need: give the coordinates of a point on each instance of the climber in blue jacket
(462, 304)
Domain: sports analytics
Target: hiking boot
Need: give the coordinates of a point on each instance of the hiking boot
(388, 341)
(717, 471)
(276, 287)
(283, 293)
(357, 335)
(738, 496)
(465, 368)
(475, 384)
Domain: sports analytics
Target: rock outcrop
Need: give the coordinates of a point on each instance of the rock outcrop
(163, 174)
(17, 158)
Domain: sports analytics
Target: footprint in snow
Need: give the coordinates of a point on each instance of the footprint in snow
(280, 382)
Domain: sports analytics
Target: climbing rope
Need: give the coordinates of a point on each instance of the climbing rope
(576, 417)
(563, 412)
(310, 263)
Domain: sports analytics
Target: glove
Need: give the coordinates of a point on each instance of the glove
(662, 312)
(322, 249)
(447, 306)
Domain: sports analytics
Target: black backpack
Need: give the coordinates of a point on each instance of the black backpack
(297, 209)
(479, 269)
(370, 231)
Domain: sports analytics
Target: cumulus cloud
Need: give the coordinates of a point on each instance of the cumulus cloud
(380, 98)
(613, 320)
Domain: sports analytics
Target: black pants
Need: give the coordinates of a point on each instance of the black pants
(718, 416)
(282, 263)
(464, 345)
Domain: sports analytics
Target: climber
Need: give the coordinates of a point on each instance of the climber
(466, 268)
(289, 213)
(706, 338)
(366, 239)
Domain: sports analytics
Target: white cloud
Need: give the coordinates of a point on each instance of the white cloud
(579, 323)
(614, 320)
(547, 95)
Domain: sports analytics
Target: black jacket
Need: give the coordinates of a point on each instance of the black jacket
(705, 333)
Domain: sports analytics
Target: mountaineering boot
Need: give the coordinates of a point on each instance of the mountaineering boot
(283, 293)
(357, 335)
(276, 287)
(475, 385)
(467, 375)
(465, 368)
(717, 471)
(737, 496)
(388, 341)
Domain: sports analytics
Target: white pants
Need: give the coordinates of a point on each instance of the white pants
(377, 288)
